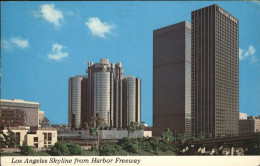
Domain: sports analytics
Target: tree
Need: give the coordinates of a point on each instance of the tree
(109, 149)
(201, 136)
(97, 122)
(87, 129)
(132, 127)
(167, 135)
(74, 149)
(65, 149)
(128, 145)
(9, 140)
(59, 149)
(26, 150)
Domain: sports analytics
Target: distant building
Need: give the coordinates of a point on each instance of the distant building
(172, 79)
(242, 116)
(249, 125)
(14, 113)
(43, 121)
(40, 138)
(60, 127)
(215, 76)
(106, 93)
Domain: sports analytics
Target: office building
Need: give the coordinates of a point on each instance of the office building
(102, 93)
(172, 79)
(249, 125)
(14, 113)
(215, 50)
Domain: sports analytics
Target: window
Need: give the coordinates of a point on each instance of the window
(49, 137)
(35, 139)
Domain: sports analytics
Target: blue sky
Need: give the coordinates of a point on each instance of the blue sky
(45, 43)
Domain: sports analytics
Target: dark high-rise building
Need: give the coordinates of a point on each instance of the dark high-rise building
(172, 79)
(214, 72)
(106, 93)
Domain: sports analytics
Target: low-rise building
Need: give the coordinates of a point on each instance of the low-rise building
(249, 125)
(40, 138)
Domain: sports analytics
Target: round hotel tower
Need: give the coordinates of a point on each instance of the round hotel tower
(75, 101)
(107, 93)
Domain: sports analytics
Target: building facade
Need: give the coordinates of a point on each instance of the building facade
(249, 125)
(40, 138)
(14, 113)
(215, 60)
(172, 79)
(101, 93)
(75, 101)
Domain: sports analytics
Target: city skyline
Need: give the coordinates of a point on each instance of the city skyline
(40, 55)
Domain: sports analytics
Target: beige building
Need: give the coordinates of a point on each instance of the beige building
(41, 138)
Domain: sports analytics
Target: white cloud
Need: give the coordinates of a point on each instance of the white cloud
(51, 14)
(22, 43)
(5, 44)
(241, 54)
(250, 52)
(98, 28)
(56, 53)
(15, 42)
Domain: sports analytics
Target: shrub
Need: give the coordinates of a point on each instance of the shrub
(74, 149)
(128, 144)
(109, 149)
(60, 149)
(26, 150)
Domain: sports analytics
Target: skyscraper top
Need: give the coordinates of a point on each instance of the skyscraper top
(222, 11)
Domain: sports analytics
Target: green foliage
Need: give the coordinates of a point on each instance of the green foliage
(65, 149)
(109, 149)
(9, 140)
(98, 122)
(59, 149)
(132, 127)
(74, 149)
(87, 126)
(167, 135)
(26, 150)
(130, 145)
(182, 138)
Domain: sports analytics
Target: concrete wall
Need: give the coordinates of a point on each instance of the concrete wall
(104, 134)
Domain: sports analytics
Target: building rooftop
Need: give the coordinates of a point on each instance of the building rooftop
(18, 101)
